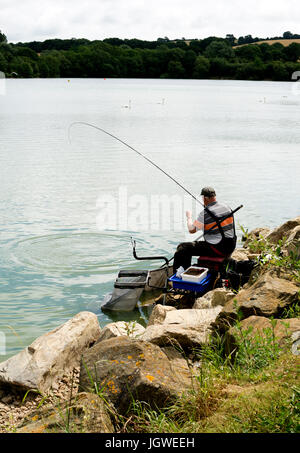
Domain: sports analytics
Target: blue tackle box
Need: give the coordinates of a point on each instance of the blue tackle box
(201, 287)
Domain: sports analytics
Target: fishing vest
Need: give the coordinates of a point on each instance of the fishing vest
(217, 223)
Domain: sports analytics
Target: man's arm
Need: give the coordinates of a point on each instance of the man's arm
(190, 225)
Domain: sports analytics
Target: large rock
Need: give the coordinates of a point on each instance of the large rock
(53, 354)
(239, 255)
(187, 328)
(283, 230)
(257, 234)
(214, 298)
(292, 245)
(125, 369)
(159, 314)
(285, 330)
(296, 343)
(121, 328)
(87, 413)
(267, 296)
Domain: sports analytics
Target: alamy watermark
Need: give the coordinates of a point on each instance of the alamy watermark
(2, 84)
(139, 212)
(296, 84)
(2, 343)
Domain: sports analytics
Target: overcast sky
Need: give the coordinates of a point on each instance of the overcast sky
(29, 20)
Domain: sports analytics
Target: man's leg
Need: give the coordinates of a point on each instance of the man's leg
(226, 246)
(185, 251)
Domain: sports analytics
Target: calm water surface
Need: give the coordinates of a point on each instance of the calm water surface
(56, 258)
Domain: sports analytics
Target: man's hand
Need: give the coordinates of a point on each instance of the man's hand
(190, 225)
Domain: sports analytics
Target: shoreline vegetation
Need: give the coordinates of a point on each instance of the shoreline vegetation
(228, 364)
(245, 58)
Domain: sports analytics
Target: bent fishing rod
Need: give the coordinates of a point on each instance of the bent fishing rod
(84, 123)
(139, 153)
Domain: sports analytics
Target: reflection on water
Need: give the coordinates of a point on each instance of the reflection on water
(241, 137)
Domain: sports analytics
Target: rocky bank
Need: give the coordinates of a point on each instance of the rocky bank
(54, 384)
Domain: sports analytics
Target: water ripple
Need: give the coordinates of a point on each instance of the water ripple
(71, 253)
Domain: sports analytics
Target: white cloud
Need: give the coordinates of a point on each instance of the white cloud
(98, 19)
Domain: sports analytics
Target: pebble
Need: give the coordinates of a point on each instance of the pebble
(13, 411)
(7, 399)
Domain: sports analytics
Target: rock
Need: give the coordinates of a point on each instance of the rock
(53, 354)
(127, 369)
(239, 255)
(214, 298)
(86, 413)
(179, 301)
(283, 230)
(187, 328)
(283, 331)
(159, 314)
(292, 245)
(7, 399)
(121, 328)
(257, 234)
(267, 296)
(296, 343)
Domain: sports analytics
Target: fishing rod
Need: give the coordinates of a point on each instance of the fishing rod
(152, 163)
(139, 153)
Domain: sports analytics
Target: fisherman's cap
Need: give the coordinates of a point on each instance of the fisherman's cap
(208, 192)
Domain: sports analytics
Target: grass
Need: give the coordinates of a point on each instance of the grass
(274, 256)
(253, 391)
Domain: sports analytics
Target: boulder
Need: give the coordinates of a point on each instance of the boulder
(121, 328)
(159, 314)
(186, 328)
(86, 413)
(292, 245)
(285, 330)
(257, 234)
(296, 343)
(214, 298)
(267, 296)
(53, 354)
(125, 369)
(283, 230)
(239, 255)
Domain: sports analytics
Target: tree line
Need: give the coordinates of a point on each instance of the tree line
(207, 58)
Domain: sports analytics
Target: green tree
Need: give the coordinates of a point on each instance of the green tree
(3, 64)
(189, 62)
(22, 67)
(277, 51)
(175, 70)
(27, 52)
(249, 52)
(3, 38)
(292, 52)
(253, 70)
(219, 49)
(201, 68)
(278, 71)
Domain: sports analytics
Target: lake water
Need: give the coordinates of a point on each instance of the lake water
(69, 207)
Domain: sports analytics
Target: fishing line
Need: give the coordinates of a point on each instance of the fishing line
(139, 153)
(148, 160)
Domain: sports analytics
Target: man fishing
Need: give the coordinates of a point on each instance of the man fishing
(216, 221)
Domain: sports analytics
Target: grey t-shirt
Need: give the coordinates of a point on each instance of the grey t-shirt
(206, 223)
